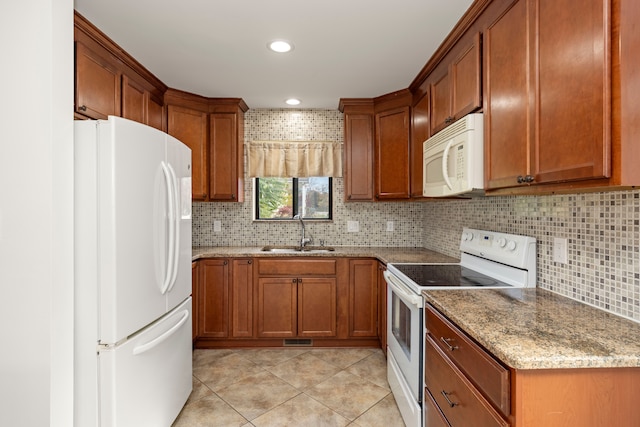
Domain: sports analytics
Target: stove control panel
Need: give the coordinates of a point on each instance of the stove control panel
(510, 249)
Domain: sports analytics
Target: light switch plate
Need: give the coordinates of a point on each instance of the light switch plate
(560, 250)
(353, 226)
(389, 225)
(217, 226)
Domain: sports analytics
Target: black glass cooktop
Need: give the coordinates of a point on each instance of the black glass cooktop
(441, 275)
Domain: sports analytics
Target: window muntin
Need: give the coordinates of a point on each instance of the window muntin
(283, 198)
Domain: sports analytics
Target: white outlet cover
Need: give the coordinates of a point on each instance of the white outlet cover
(389, 225)
(353, 226)
(217, 225)
(560, 250)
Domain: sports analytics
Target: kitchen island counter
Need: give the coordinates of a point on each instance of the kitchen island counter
(385, 255)
(539, 329)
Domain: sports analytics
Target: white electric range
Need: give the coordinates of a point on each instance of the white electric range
(488, 260)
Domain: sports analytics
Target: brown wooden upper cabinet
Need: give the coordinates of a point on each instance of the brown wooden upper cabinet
(456, 86)
(189, 125)
(376, 147)
(548, 96)
(420, 132)
(214, 130)
(392, 154)
(97, 84)
(108, 82)
(358, 153)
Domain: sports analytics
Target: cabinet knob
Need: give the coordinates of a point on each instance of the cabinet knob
(529, 178)
(299, 280)
(82, 108)
(249, 262)
(448, 120)
(294, 280)
(233, 197)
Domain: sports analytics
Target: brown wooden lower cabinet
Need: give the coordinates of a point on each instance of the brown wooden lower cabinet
(382, 308)
(213, 299)
(260, 301)
(194, 296)
(241, 299)
(463, 388)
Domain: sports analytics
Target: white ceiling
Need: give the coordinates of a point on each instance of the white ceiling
(216, 48)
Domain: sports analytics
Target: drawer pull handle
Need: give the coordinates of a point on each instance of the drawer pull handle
(446, 342)
(446, 397)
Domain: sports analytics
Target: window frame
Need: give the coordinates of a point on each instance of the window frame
(295, 207)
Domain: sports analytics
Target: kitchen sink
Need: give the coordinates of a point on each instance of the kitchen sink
(296, 249)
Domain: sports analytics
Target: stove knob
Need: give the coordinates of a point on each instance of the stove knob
(467, 236)
(511, 245)
(502, 242)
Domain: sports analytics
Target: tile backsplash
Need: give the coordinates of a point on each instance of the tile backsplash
(602, 229)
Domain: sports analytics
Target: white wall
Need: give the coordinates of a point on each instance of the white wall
(36, 207)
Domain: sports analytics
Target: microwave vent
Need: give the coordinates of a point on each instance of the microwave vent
(466, 123)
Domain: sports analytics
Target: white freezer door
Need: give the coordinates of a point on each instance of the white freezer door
(133, 227)
(146, 380)
(179, 161)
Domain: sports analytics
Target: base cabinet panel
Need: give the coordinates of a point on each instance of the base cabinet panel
(241, 299)
(317, 304)
(214, 299)
(277, 307)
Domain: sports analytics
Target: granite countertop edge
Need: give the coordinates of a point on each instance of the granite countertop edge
(539, 329)
(384, 254)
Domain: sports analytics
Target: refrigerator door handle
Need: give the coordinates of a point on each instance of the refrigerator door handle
(176, 219)
(172, 233)
(158, 340)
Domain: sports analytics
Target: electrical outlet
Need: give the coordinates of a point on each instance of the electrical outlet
(217, 226)
(389, 225)
(353, 226)
(560, 250)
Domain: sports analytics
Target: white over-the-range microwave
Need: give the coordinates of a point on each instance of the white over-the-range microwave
(453, 159)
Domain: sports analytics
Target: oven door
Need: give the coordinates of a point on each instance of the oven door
(404, 332)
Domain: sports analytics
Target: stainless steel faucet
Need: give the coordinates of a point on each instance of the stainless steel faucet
(303, 240)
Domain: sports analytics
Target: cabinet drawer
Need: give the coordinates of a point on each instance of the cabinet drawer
(431, 413)
(460, 402)
(482, 369)
(297, 267)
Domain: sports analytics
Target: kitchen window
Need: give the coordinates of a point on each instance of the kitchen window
(283, 198)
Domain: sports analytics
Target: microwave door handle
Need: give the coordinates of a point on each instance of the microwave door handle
(402, 291)
(445, 164)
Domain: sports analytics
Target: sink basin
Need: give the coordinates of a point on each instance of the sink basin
(296, 249)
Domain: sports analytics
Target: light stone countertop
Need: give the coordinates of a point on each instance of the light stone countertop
(386, 255)
(538, 329)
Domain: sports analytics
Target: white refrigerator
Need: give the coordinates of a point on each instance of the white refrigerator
(132, 275)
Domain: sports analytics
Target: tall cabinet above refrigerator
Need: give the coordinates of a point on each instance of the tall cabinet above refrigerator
(132, 274)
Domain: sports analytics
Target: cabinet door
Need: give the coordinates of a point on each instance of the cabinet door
(155, 113)
(358, 168)
(466, 76)
(214, 299)
(317, 304)
(573, 106)
(223, 173)
(277, 307)
(195, 312)
(133, 100)
(507, 124)
(190, 127)
(241, 298)
(97, 85)
(392, 154)
(382, 307)
(440, 90)
(363, 298)
(419, 134)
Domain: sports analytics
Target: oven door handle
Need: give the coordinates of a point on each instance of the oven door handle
(402, 290)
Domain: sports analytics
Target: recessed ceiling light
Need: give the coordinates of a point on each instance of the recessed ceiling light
(292, 101)
(280, 46)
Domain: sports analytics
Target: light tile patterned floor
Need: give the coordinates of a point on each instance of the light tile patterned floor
(290, 387)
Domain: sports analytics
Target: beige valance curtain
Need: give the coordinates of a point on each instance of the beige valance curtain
(300, 159)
